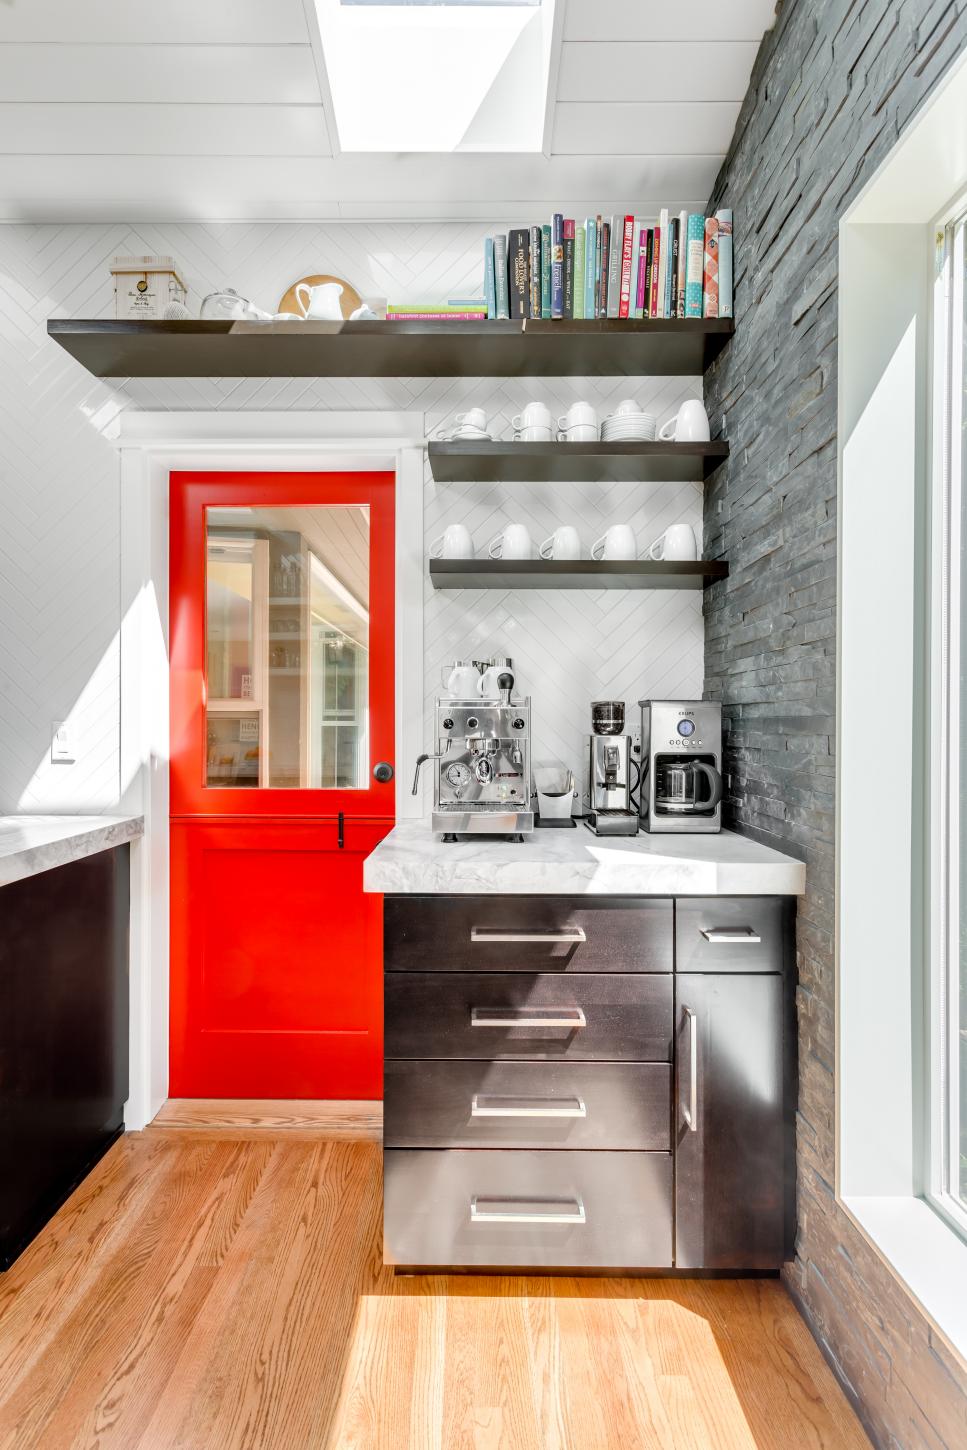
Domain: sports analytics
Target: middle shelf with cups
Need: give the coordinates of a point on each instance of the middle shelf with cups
(564, 462)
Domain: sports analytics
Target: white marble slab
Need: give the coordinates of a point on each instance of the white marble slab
(574, 863)
(31, 844)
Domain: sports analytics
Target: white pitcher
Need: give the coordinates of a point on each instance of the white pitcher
(323, 303)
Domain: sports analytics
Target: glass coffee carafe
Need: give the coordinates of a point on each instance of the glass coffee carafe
(687, 786)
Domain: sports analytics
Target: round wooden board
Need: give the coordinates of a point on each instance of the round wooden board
(349, 300)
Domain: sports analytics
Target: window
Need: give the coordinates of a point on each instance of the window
(947, 737)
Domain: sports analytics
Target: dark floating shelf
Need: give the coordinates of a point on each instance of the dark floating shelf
(600, 348)
(574, 574)
(566, 462)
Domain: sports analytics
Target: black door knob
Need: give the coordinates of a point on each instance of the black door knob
(383, 771)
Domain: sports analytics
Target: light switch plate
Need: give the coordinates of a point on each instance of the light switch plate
(61, 743)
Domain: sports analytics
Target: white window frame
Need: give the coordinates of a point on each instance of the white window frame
(944, 643)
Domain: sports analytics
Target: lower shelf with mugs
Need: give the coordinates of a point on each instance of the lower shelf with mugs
(576, 573)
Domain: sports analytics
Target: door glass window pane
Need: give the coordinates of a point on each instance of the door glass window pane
(287, 647)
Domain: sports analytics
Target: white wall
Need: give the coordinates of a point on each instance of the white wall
(60, 590)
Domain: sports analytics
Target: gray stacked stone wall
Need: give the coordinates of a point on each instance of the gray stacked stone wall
(834, 85)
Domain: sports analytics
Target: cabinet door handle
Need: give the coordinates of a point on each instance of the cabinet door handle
(526, 1210)
(690, 1114)
(730, 934)
(486, 1105)
(572, 934)
(527, 1017)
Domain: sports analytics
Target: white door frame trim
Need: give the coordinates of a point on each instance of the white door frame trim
(151, 446)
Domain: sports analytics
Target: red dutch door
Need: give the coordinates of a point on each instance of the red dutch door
(282, 740)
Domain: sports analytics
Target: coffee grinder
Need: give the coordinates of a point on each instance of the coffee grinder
(610, 766)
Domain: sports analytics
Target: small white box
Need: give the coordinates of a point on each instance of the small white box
(145, 286)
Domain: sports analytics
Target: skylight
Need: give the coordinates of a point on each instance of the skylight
(437, 75)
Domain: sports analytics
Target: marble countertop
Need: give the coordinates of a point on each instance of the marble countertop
(573, 863)
(31, 844)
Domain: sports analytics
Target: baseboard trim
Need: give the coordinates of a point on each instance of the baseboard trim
(261, 1117)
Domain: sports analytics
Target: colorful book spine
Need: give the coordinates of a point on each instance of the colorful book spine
(603, 267)
(490, 286)
(590, 266)
(614, 265)
(672, 288)
(682, 251)
(580, 269)
(655, 273)
(545, 271)
(534, 309)
(724, 219)
(649, 266)
(557, 265)
(638, 257)
(568, 230)
(694, 265)
(662, 262)
(500, 275)
(627, 256)
(518, 271)
(710, 289)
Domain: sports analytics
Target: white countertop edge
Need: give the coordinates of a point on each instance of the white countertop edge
(30, 845)
(411, 861)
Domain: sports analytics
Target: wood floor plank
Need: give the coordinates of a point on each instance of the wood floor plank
(225, 1291)
(354, 1121)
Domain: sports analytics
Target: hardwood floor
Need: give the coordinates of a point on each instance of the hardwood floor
(217, 1291)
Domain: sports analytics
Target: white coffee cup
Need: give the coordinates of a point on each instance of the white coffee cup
(627, 406)
(514, 542)
(689, 426)
(534, 433)
(578, 415)
(535, 415)
(677, 542)
(454, 543)
(473, 418)
(618, 542)
(564, 543)
(579, 433)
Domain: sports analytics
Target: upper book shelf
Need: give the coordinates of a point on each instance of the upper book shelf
(530, 348)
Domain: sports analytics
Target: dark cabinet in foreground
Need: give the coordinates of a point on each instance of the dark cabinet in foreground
(63, 1034)
(560, 1093)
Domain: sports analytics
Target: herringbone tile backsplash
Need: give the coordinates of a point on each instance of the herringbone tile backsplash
(60, 598)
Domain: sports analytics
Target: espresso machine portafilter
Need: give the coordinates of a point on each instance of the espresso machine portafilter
(482, 774)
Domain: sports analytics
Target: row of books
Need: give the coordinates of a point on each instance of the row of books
(616, 267)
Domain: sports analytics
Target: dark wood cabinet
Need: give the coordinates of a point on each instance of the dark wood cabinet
(614, 1077)
(63, 1034)
(731, 1139)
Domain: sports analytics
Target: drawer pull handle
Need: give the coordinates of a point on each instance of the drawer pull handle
(485, 1105)
(690, 1114)
(731, 934)
(572, 934)
(527, 1017)
(526, 1210)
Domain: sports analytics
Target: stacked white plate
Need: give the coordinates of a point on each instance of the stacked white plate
(465, 434)
(629, 428)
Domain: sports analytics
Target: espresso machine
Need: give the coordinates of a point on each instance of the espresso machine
(681, 766)
(482, 770)
(610, 765)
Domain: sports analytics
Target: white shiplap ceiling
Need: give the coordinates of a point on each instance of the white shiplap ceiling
(181, 110)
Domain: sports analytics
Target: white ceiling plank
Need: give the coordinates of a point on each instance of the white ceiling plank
(689, 128)
(217, 74)
(193, 188)
(163, 130)
(658, 20)
(656, 71)
(200, 22)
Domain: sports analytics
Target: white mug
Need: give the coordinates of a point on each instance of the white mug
(534, 433)
(535, 415)
(564, 543)
(627, 406)
(323, 304)
(472, 418)
(577, 414)
(513, 543)
(677, 542)
(618, 542)
(579, 433)
(689, 426)
(454, 543)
